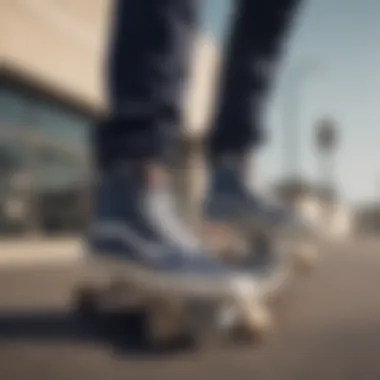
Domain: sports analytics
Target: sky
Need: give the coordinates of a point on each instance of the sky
(340, 39)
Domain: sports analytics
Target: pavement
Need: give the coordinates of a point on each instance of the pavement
(328, 327)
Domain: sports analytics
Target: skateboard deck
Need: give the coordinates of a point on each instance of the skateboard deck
(171, 317)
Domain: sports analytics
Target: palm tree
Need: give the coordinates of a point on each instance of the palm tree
(326, 143)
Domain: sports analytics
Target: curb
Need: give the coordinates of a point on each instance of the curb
(37, 252)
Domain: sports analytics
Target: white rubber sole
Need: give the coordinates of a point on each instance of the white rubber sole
(178, 285)
(252, 289)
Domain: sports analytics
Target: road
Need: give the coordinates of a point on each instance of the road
(328, 328)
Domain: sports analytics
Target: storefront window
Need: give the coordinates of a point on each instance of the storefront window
(14, 108)
(61, 191)
(13, 187)
(60, 124)
(44, 179)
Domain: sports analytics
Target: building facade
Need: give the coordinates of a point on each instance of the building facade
(51, 91)
(320, 205)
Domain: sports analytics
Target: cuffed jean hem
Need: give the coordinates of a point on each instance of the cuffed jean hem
(142, 142)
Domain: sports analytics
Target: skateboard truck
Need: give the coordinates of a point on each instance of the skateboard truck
(175, 322)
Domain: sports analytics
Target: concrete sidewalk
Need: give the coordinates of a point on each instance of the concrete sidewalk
(39, 251)
(29, 252)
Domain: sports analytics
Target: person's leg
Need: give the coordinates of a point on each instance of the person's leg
(147, 66)
(146, 74)
(134, 221)
(252, 56)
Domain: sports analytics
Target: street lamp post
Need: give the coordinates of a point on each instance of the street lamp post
(291, 118)
(326, 142)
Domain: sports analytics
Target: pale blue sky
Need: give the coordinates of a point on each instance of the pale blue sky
(341, 37)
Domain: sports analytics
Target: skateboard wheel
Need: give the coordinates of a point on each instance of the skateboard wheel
(166, 325)
(258, 322)
(245, 325)
(254, 324)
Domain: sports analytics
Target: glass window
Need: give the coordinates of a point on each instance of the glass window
(15, 108)
(14, 194)
(61, 192)
(51, 118)
(61, 124)
(43, 183)
(57, 170)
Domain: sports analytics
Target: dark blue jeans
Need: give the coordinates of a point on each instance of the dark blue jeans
(148, 66)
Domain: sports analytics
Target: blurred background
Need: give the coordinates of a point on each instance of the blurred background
(322, 157)
(322, 116)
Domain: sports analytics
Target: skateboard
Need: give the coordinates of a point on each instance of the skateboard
(172, 320)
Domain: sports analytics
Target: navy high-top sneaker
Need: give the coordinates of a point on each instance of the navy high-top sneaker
(229, 200)
(136, 226)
